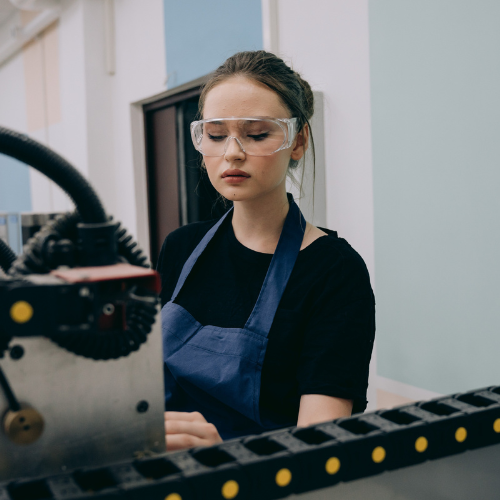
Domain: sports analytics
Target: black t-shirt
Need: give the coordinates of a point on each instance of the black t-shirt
(322, 335)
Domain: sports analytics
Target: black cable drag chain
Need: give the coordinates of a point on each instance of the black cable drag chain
(279, 463)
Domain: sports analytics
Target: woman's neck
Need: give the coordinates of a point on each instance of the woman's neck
(257, 223)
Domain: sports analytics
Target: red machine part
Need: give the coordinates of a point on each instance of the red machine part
(145, 277)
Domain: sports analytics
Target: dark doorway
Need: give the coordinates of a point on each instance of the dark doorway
(179, 191)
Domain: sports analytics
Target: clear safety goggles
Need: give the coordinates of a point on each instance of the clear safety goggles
(255, 136)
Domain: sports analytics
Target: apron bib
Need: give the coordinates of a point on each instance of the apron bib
(217, 371)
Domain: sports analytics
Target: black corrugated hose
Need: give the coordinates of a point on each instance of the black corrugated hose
(36, 257)
(55, 167)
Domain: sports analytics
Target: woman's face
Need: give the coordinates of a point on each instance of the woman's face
(243, 97)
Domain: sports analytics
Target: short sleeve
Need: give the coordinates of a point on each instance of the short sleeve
(339, 334)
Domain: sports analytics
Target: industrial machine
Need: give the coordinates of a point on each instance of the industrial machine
(81, 364)
(81, 395)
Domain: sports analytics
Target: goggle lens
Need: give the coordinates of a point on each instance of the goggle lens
(257, 137)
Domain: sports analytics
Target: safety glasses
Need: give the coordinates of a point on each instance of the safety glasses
(255, 136)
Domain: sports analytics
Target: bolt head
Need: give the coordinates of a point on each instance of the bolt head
(142, 406)
(16, 352)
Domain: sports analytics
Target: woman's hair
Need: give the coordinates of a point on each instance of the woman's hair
(268, 69)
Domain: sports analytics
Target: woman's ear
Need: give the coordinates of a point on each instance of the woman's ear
(301, 143)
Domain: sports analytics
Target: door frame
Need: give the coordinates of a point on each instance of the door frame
(138, 112)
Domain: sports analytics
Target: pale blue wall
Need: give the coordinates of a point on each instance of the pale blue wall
(201, 34)
(14, 186)
(435, 85)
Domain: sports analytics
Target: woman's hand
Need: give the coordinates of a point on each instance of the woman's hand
(187, 430)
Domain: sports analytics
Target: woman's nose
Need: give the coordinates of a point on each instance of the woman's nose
(233, 149)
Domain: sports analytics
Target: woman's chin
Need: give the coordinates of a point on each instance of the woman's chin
(241, 192)
(235, 193)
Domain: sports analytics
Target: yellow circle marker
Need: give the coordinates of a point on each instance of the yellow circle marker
(283, 477)
(496, 425)
(21, 311)
(332, 465)
(461, 434)
(421, 444)
(173, 496)
(230, 489)
(378, 455)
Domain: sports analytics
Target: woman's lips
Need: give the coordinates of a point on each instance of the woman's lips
(234, 179)
(234, 176)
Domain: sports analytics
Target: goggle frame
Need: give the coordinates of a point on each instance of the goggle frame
(287, 125)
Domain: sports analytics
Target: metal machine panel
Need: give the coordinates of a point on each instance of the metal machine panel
(94, 412)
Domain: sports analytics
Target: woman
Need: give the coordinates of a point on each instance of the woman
(268, 321)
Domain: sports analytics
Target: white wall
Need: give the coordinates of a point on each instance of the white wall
(140, 73)
(436, 123)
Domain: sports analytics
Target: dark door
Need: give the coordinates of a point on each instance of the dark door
(179, 191)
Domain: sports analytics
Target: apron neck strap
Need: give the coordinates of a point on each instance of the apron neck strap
(279, 272)
(188, 266)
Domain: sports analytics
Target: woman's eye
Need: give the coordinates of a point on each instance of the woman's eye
(259, 137)
(216, 138)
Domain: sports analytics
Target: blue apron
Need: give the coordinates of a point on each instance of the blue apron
(217, 371)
